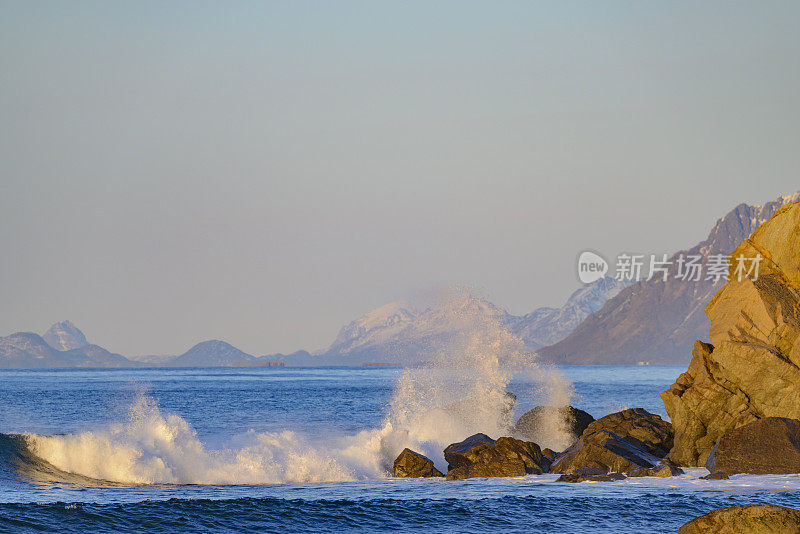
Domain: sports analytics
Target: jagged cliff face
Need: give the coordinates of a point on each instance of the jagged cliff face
(751, 368)
(655, 321)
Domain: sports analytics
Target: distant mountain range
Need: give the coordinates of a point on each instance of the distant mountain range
(64, 345)
(656, 321)
(397, 334)
(604, 322)
(26, 349)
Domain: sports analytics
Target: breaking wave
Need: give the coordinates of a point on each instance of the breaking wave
(461, 390)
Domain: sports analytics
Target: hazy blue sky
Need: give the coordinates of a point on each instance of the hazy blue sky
(265, 172)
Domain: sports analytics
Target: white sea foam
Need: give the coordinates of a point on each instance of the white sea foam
(460, 391)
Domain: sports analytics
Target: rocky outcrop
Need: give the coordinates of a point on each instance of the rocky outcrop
(536, 424)
(750, 518)
(632, 441)
(751, 368)
(643, 429)
(410, 464)
(603, 452)
(481, 456)
(652, 319)
(767, 446)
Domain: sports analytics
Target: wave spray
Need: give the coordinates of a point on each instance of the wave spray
(461, 388)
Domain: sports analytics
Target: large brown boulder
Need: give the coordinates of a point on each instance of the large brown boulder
(749, 518)
(603, 452)
(536, 424)
(751, 368)
(643, 429)
(481, 456)
(766, 446)
(632, 441)
(412, 464)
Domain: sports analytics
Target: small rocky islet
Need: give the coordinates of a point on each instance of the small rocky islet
(735, 410)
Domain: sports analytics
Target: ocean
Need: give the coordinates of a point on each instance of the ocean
(307, 449)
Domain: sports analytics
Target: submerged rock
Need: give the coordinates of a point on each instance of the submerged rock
(766, 446)
(412, 464)
(537, 424)
(663, 470)
(481, 456)
(750, 518)
(751, 368)
(719, 475)
(590, 475)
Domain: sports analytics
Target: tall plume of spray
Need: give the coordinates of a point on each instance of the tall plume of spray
(463, 388)
(460, 389)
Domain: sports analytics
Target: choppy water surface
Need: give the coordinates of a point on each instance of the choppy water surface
(282, 449)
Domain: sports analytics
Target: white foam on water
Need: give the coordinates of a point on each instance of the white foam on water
(460, 391)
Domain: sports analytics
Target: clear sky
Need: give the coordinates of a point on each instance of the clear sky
(265, 172)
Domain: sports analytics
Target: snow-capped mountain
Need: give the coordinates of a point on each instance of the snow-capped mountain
(657, 321)
(65, 336)
(546, 326)
(403, 333)
(379, 326)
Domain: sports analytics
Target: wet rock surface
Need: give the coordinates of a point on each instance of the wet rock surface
(749, 518)
(661, 470)
(766, 446)
(639, 427)
(590, 475)
(718, 475)
(632, 441)
(604, 452)
(411, 464)
(481, 456)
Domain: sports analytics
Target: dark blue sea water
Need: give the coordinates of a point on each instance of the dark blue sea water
(293, 450)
